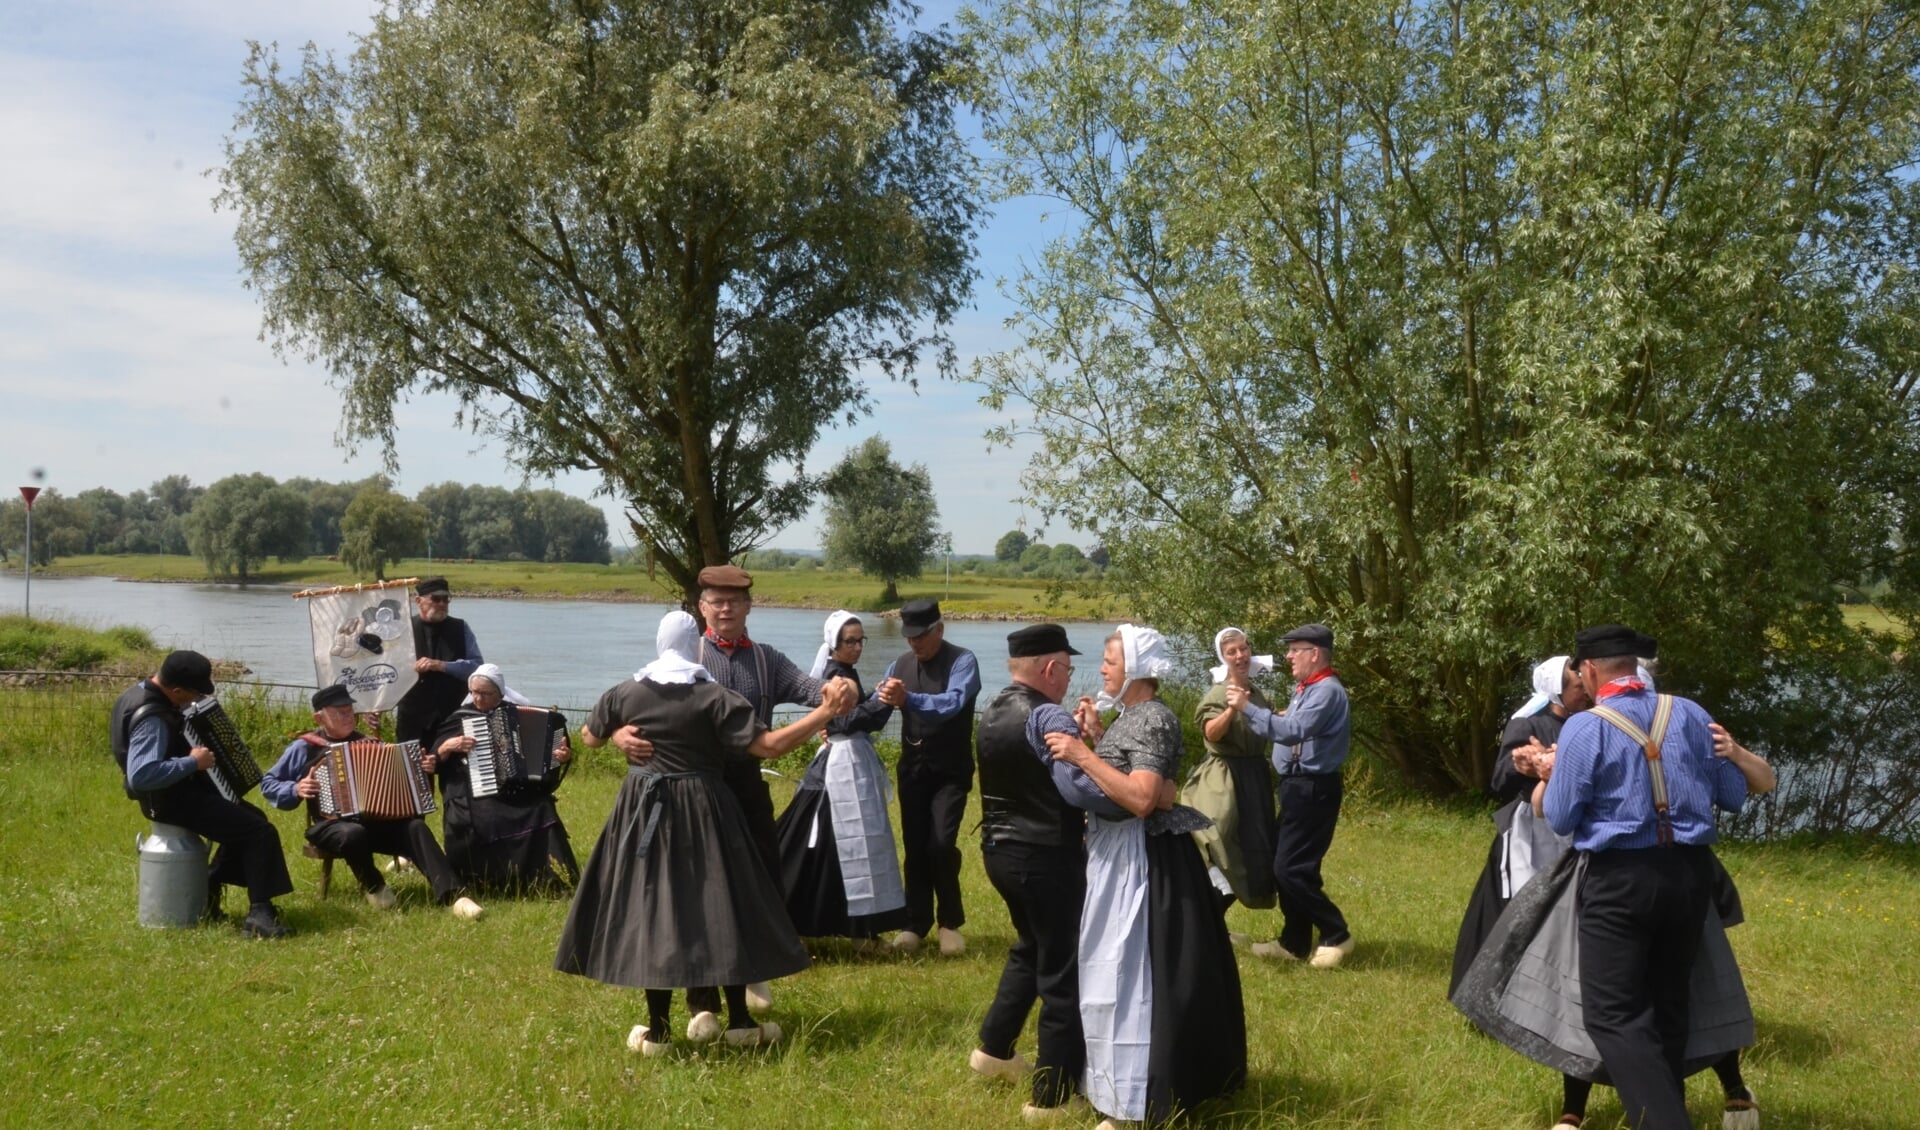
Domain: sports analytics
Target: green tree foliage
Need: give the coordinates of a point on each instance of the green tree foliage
(244, 519)
(378, 529)
(327, 504)
(1459, 326)
(656, 240)
(881, 518)
(1011, 545)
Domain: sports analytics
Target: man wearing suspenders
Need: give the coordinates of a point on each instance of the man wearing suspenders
(1635, 783)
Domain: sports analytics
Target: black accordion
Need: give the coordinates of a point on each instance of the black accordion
(234, 771)
(508, 754)
(374, 780)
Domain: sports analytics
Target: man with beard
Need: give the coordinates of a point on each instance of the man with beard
(1034, 847)
(446, 655)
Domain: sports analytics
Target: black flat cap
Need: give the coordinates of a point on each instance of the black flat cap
(187, 671)
(432, 585)
(1039, 639)
(1608, 641)
(1319, 635)
(917, 617)
(335, 695)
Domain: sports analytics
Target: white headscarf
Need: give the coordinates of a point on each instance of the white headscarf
(1640, 672)
(491, 673)
(677, 641)
(1549, 679)
(1260, 662)
(1143, 655)
(834, 623)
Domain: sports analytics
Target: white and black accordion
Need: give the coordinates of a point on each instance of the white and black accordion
(234, 771)
(508, 755)
(374, 780)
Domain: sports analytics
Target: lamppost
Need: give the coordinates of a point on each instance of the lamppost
(946, 540)
(28, 493)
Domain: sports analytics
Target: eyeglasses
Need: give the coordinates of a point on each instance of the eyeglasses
(725, 601)
(437, 598)
(1301, 649)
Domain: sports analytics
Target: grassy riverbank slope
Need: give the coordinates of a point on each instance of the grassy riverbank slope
(969, 596)
(40, 644)
(410, 1018)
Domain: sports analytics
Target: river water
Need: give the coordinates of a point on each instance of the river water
(557, 652)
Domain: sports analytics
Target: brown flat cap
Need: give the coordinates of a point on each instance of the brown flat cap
(725, 577)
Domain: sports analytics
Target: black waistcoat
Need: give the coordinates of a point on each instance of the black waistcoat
(437, 694)
(927, 745)
(143, 700)
(1017, 798)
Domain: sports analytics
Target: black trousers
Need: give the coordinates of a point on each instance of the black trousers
(1044, 888)
(355, 842)
(1309, 808)
(931, 807)
(1641, 913)
(249, 855)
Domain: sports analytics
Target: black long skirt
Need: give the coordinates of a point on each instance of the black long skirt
(1198, 1045)
(816, 892)
(676, 894)
(1484, 905)
(506, 842)
(1255, 807)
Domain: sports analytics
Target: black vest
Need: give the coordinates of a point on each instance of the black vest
(926, 745)
(437, 694)
(1017, 797)
(145, 700)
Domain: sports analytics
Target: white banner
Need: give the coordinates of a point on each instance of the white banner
(363, 640)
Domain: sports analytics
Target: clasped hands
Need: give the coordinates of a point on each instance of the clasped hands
(838, 695)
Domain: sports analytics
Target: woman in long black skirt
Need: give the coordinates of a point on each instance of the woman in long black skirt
(674, 893)
(837, 860)
(1159, 991)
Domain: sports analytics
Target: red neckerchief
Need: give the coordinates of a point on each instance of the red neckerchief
(1313, 678)
(1619, 686)
(728, 645)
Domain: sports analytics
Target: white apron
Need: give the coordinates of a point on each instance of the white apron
(1116, 979)
(856, 785)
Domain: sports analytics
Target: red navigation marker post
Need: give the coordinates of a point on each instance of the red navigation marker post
(29, 493)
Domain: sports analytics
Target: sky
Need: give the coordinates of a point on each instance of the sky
(130, 350)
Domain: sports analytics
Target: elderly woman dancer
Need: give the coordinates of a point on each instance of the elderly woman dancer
(1159, 990)
(1233, 784)
(676, 894)
(837, 861)
(512, 840)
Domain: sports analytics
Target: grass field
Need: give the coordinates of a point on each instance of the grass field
(967, 596)
(411, 1018)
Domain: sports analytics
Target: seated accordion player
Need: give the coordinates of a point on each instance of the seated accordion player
(512, 748)
(234, 771)
(374, 780)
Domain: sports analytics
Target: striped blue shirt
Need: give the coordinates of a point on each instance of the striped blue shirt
(1601, 792)
(1311, 734)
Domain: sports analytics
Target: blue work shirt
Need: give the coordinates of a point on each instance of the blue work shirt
(1311, 735)
(280, 783)
(463, 669)
(149, 769)
(1601, 792)
(963, 686)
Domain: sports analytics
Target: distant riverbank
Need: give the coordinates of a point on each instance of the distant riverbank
(968, 598)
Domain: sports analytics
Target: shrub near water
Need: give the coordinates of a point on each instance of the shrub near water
(54, 645)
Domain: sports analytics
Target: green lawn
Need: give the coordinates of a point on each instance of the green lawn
(968, 595)
(411, 1018)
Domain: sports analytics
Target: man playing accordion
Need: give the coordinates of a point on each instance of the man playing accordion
(168, 775)
(294, 778)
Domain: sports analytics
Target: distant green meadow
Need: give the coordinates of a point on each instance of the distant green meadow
(412, 1018)
(967, 595)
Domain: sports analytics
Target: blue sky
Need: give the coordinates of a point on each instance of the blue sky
(129, 349)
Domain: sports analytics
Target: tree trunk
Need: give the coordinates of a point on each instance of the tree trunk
(892, 593)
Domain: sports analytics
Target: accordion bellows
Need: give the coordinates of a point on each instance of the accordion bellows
(234, 771)
(374, 780)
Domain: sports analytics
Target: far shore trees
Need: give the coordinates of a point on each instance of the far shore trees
(658, 240)
(881, 518)
(244, 519)
(379, 528)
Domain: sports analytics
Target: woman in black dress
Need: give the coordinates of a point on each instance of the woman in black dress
(837, 860)
(675, 893)
(511, 841)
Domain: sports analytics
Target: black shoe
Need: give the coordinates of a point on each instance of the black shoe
(263, 921)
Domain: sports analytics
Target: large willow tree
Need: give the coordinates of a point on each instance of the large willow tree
(1458, 326)
(658, 240)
